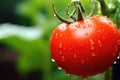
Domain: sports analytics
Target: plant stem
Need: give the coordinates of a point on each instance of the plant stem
(105, 9)
(78, 7)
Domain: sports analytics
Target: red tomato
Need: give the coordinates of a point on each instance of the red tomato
(119, 41)
(86, 47)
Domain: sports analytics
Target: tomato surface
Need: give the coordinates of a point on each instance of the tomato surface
(85, 47)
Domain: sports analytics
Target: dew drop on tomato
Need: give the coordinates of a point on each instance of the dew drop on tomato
(62, 27)
(75, 56)
(93, 54)
(53, 60)
(99, 43)
(60, 46)
(118, 57)
(56, 35)
(82, 61)
(63, 58)
(92, 42)
(61, 35)
(118, 42)
(59, 68)
(115, 62)
(116, 48)
(92, 47)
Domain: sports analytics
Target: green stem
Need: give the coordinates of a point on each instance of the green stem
(78, 12)
(104, 8)
(78, 7)
(58, 16)
(70, 16)
(93, 7)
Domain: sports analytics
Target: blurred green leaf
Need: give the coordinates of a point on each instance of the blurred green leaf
(31, 45)
(97, 77)
(8, 30)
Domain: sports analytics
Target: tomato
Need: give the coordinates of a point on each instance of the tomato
(119, 41)
(86, 47)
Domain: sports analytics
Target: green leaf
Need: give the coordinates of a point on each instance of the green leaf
(97, 77)
(31, 45)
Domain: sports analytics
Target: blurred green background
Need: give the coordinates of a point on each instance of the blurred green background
(25, 29)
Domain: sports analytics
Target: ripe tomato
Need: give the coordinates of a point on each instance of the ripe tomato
(119, 41)
(85, 47)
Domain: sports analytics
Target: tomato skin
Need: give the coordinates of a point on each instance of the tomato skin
(86, 47)
(119, 40)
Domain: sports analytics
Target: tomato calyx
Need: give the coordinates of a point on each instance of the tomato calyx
(79, 13)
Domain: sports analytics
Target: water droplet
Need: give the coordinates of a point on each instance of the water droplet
(59, 68)
(63, 58)
(85, 79)
(116, 48)
(60, 45)
(118, 42)
(93, 54)
(99, 43)
(76, 25)
(68, 74)
(82, 61)
(92, 47)
(72, 27)
(75, 56)
(118, 57)
(56, 35)
(62, 27)
(92, 42)
(115, 62)
(53, 60)
(90, 25)
(54, 14)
